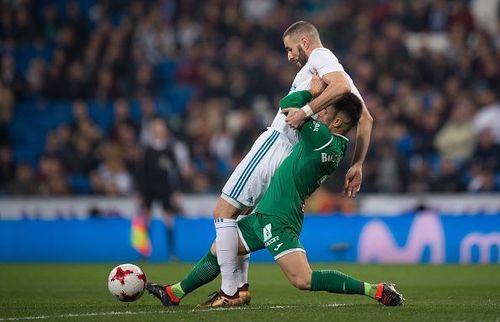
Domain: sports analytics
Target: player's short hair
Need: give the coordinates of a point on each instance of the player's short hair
(301, 28)
(350, 106)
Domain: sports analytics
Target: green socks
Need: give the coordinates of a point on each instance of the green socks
(336, 282)
(370, 290)
(333, 281)
(178, 291)
(205, 271)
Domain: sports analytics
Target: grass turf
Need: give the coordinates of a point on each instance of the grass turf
(78, 292)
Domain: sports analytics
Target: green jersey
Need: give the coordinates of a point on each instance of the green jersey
(311, 161)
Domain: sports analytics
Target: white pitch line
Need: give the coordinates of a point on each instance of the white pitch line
(80, 315)
(274, 307)
(335, 305)
(40, 317)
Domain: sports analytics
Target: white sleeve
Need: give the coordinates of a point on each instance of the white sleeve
(355, 90)
(323, 61)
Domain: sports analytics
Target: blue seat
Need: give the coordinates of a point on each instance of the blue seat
(26, 154)
(179, 97)
(135, 111)
(102, 114)
(166, 71)
(80, 184)
(163, 108)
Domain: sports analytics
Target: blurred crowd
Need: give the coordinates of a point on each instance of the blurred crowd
(82, 80)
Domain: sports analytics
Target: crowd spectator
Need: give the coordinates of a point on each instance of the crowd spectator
(25, 183)
(455, 140)
(7, 167)
(112, 176)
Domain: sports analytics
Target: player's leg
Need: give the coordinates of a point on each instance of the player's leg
(205, 271)
(284, 245)
(169, 220)
(243, 285)
(248, 241)
(146, 201)
(243, 264)
(234, 269)
(226, 241)
(244, 187)
(296, 268)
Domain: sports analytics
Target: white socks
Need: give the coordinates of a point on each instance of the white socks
(243, 262)
(226, 242)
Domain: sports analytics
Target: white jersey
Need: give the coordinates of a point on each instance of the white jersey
(321, 61)
(251, 178)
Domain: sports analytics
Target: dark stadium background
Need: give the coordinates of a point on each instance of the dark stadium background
(215, 69)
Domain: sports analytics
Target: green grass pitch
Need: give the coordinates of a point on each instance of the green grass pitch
(78, 292)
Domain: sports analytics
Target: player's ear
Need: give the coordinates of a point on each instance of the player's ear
(337, 122)
(304, 41)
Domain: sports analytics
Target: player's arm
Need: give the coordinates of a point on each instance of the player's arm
(301, 98)
(337, 85)
(354, 176)
(298, 98)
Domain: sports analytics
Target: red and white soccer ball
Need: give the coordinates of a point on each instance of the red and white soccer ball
(127, 282)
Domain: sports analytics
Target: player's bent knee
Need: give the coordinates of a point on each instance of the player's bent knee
(301, 282)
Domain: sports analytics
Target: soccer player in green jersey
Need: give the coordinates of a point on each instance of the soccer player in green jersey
(277, 220)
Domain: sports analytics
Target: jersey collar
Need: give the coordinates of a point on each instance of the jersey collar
(340, 135)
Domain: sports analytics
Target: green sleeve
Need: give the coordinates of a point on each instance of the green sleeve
(296, 99)
(315, 134)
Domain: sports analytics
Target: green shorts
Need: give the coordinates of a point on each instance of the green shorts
(258, 231)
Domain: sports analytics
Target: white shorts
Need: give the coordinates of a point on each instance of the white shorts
(252, 176)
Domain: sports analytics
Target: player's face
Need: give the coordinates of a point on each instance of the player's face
(158, 130)
(323, 116)
(302, 57)
(327, 115)
(295, 52)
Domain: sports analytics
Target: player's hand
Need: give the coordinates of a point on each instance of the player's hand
(316, 86)
(352, 182)
(295, 117)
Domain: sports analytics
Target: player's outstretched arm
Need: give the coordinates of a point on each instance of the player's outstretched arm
(299, 98)
(354, 176)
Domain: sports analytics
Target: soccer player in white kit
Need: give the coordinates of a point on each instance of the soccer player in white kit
(251, 177)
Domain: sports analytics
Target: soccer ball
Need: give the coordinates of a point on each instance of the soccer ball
(126, 282)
